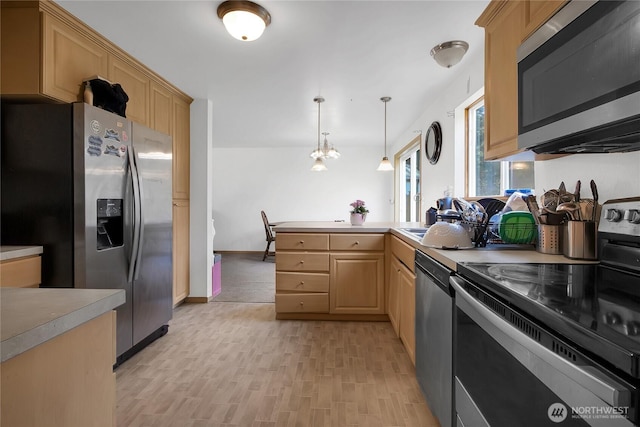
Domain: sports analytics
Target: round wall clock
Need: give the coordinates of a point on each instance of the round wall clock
(433, 143)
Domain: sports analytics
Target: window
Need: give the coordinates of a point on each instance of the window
(490, 178)
(408, 162)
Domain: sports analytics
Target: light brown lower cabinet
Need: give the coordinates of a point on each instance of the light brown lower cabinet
(402, 294)
(66, 381)
(21, 272)
(180, 250)
(407, 305)
(330, 275)
(357, 283)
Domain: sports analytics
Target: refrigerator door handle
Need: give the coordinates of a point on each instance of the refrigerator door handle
(135, 246)
(141, 223)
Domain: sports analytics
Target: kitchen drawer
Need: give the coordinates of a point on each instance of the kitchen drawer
(302, 303)
(302, 261)
(302, 282)
(21, 272)
(356, 242)
(404, 252)
(302, 241)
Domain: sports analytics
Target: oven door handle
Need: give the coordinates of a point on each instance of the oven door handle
(520, 346)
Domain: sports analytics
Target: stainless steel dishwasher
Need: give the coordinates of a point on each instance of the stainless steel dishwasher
(434, 336)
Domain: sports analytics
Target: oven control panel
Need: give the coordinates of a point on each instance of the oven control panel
(621, 216)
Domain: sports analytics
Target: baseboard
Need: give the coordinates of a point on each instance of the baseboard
(239, 252)
(198, 300)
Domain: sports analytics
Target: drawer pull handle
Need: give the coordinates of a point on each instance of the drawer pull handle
(301, 304)
(357, 243)
(301, 261)
(398, 270)
(301, 283)
(302, 242)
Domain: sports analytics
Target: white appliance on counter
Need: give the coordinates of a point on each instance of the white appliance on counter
(94, 189)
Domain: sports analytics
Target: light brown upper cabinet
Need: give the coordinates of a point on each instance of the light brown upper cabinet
(507, 23)
(161, 111)
(46, 57)
(47, 53)
(137, 86)
(181, 148)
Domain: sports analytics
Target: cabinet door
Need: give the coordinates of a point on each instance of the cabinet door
(68, 59)
(181, 150)
(160, 109)
(502, 38)
(393, 310)
(356, 283)
(180, 250)
(408, 312)
(136, 84)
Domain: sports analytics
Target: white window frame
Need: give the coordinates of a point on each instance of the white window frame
(412, 151)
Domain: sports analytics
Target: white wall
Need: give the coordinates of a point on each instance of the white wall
(616, 175)
(280, 182)
(466, 79)
(200, 203)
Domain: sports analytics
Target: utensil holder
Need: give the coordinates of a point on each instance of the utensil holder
(550, 238)
(580, 239)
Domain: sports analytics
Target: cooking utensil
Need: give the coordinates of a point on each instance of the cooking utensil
(532, 204)
(447, 235)
(562, 188)
(576, 193)
(594, 192)
(572, 209)
(550, 199)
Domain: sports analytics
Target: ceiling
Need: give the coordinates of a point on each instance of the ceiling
(349, 52)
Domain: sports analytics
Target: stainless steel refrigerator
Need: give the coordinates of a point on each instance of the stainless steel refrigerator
(94, 189)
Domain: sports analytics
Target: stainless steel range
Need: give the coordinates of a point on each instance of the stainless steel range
(553, 344)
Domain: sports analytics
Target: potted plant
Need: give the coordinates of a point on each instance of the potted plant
(358, 212)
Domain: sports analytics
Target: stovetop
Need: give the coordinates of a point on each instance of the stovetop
(595, 306)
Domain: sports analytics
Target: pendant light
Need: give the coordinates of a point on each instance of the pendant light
(385, 164)
(244, 20)
(318, 164)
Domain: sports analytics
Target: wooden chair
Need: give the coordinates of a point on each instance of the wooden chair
(269, 234)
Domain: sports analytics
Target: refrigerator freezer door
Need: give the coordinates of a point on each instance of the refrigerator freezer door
(102, 208)
(153, 278)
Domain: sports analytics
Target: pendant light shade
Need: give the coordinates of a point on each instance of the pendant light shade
(244, 20)
(385, 164)
(318, 164)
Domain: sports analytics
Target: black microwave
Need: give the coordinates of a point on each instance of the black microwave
(579, 80)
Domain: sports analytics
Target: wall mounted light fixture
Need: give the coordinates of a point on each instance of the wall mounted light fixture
(450, 53)
(385, 164)
(244, 20)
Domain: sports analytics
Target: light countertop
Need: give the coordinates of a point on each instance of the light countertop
(31, 316)
(11, 252)
(340, 227)
(496, 253)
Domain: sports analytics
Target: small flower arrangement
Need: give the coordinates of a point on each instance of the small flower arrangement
(358, 207)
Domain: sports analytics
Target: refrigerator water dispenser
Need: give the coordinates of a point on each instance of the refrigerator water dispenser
(110, 226)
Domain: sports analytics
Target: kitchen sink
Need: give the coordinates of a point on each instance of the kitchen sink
(418, 232)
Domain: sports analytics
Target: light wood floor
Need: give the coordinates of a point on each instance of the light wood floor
(233, 364)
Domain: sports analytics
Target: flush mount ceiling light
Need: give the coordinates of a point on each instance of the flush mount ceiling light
(318, 165)
(450, 53)
(244, 20)
(385, 164)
